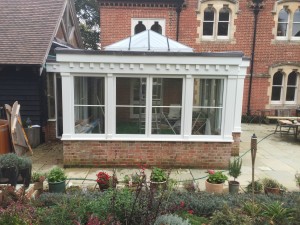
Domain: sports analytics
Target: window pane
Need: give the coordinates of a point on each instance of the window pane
(139, 27)
(208, 28)
(89, 104)
(208, 104)
(89, 119)
(167, 106)
(296, 24)
(222, 28)
(131, 105)
(51, 95)
(209, 15)
(292, 78)
(290, 93)
(276, 93)
(224, 15)
(127, 125)
(156, 27)
(282, 23)
(277, 78)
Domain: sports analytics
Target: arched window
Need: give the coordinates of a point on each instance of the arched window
(156, 27)
(291, 87)
(139, 27)
(208, 22)
(283, 21)
(277, 86)
(296, 24)
(223, 24)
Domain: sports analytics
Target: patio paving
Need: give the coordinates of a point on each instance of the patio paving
(278, 157)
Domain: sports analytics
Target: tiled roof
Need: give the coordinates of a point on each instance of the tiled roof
(27, 28)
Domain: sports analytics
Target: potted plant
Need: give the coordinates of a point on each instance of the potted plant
(24, 166)
(234, 170)
(215, 182)
(9, 168)
(271, 186)
(297, 178)
(134, 180)
(38, 180)
(103, 180)
(158, 178)
(257, 187)
(57, 180)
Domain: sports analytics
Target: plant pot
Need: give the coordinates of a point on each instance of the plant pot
(214, 188)
(156, 186)
(57, 187)
(234, 187)
(24, 176)
(38, 185)
(103, 187)
(11, 173)
(275, 191)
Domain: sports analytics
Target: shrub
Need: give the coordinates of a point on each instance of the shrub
(56, 175)
(158, 175)
(234, 168)
(276, 213)
(257, 187)
(170, 219)
(230, 217)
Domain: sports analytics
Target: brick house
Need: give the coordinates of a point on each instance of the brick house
(223, 25)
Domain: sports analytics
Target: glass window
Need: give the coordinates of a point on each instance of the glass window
(207, 106)
(277, 86)
(208, 22)
(51, 95)
(291, 87)
(166, 106)
(89, 104)
(296, 24)
(129, 101)
(283, 19)
(156, 27)
(139, 27)
(223, 24)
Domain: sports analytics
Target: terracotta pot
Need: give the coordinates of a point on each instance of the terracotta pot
(38, 185)
(275, 191)
(234, 187)
(214, 188)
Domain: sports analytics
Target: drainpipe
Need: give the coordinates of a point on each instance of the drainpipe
(256, 5)
(178, 11)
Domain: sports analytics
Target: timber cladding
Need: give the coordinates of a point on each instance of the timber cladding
(132, 153)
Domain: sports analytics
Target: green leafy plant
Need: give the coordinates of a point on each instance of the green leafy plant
(9, 160)
(158, 175)
(170, 219)
(257, 187)
(235, 167)
(24, 163)
(271, 183)
(216, 177)
(38, 177)
(56, 175)
(276, 213)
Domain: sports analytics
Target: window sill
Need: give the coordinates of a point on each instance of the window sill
(286, 41)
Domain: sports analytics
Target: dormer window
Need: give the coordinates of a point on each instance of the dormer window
(141, 24)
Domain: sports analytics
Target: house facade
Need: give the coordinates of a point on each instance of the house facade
(27, 41)
(224, 25)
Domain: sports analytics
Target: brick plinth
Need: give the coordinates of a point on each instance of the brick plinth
(235, 148)
(50, 131)
(131, 153)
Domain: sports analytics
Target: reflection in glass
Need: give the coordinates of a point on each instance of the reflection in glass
(208, 23)
(296, 24)
(277, 86)
(282, 23)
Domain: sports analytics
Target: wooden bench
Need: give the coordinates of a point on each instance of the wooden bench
(285, 123)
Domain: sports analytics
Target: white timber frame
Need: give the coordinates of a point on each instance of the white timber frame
(230, 67)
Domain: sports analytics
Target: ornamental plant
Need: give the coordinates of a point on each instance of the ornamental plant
(158, 175)
(216, 177)
(103, 178)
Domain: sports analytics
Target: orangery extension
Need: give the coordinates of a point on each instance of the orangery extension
(150, 99)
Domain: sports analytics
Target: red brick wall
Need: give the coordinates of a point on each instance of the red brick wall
(50, 131)
(131, 153)
(116, 25)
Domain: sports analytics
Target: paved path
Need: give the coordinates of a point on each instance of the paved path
(277, 157)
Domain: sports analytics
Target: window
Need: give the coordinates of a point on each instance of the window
(216, 23)
(207, 106)
(139, 25)
(287, 17)
(89, 105)
(285, 85)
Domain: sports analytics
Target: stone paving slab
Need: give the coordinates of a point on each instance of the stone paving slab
(277, 157)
